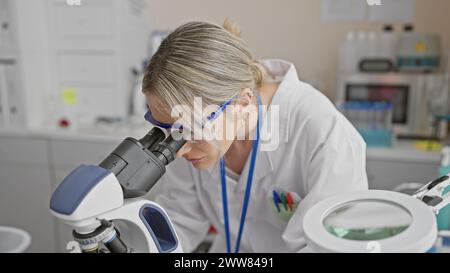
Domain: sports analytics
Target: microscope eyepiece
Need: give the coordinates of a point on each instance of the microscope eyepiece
(153, 137)
(166, 151)
(138, 165)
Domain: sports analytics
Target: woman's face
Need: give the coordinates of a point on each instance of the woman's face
(202, 153)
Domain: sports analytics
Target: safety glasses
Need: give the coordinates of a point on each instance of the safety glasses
(211, 117)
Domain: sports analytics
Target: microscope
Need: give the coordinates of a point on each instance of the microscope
(104, 204)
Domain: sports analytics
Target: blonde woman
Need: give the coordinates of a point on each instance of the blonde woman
(277, 147)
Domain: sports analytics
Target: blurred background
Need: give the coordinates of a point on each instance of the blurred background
(70, 74)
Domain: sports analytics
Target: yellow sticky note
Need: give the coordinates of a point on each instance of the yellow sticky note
(421, 47)
(428, 145)
(70, 96)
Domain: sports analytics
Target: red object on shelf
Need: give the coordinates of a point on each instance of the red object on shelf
(64, 123)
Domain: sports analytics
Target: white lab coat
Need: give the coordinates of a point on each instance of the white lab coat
(319, 154)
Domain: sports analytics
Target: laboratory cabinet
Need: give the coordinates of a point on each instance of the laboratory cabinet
(25, 190)
(387, 174)
(12, 110)
(388, 168)
(69, 61)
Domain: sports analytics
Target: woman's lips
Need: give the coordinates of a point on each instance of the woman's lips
(196, 160)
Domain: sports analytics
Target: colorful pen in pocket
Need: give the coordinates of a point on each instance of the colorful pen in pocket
(276, 200)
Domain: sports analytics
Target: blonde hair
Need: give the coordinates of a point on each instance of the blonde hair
(204, 60)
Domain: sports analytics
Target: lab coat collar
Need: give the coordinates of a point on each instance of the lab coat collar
(286, 72)
(263, 167)
(278, 70)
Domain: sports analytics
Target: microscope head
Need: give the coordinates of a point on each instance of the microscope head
(138, 165)
(130, 171)
(86, 192)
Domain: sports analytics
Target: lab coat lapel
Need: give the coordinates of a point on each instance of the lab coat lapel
(214, 175)
(263, 167)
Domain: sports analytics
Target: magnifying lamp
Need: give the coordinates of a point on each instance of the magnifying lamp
(377, 221)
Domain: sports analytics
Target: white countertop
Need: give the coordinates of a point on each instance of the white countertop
(103, 132)
(402, 150)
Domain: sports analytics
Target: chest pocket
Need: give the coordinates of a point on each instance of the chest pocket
(283, 204)
(274, 206)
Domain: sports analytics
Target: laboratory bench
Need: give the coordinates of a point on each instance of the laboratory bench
(34, 162)
(403, 163)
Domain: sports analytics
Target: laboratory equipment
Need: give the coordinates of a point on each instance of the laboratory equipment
(377, 221)
(443, 218)
(443, 242)
(413, 97)
(418, 52)
(376, 67)
(373, 120)
(14, 240)
(103, 203)
(138, 102)
(368, 52)
(387, 51)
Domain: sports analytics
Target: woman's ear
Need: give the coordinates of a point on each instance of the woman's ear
(245, 111)
(245, 97)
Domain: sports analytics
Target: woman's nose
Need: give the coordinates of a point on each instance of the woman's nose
(184, 150)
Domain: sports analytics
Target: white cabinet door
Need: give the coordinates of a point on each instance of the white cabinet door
(3, 105)
(386, 175)
(7, 41)
(24, 203)
(25, 190)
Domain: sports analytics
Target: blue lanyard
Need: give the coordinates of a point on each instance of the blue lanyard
(247, 190)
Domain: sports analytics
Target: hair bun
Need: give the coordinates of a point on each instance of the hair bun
(258, 73)
(232, 28)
